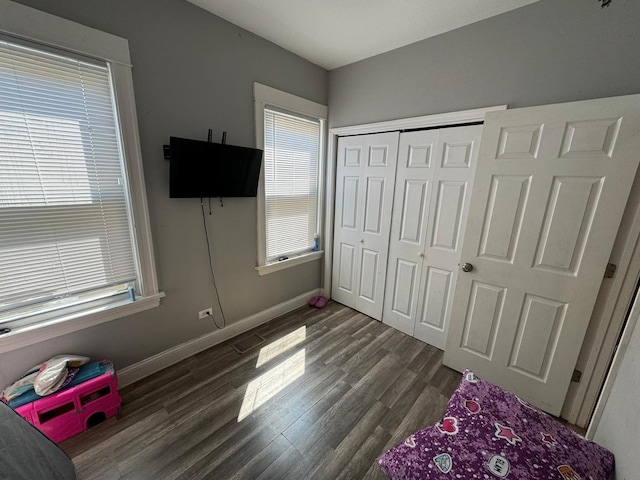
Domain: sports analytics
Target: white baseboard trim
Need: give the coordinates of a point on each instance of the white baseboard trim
(173, 355)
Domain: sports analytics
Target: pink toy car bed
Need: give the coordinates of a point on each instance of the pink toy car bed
(71, 411)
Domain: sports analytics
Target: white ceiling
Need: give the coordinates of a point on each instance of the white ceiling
(332, 33)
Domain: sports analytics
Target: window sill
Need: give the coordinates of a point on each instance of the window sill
(291, 262)
(40, 332)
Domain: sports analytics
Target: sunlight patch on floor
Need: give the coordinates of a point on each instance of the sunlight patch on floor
(270, 383)
(281, 345)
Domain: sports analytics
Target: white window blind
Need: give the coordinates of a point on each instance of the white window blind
(65, 230)
(291, 158)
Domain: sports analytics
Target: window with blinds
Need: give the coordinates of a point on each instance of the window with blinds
(291, 161)
(65, 229)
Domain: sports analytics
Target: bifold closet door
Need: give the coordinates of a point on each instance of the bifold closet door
(365, 177)
(433, 184)
(414, 182)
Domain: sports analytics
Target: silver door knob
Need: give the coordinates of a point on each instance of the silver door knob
(466, 267)
(420, 254)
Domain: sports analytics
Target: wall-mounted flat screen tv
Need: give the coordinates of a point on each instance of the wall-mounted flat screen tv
(202, 169)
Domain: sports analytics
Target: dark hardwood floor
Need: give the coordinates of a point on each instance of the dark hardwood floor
(326, 393)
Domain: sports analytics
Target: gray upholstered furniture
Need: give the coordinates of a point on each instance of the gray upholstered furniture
(26, 454)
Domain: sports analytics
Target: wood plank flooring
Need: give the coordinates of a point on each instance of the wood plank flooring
(327, 392)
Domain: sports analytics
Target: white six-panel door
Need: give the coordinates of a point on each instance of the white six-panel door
(365, 174)
(550, 189)
(433, 183)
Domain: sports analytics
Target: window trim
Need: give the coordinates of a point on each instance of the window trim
(42, 28)
(265, 96)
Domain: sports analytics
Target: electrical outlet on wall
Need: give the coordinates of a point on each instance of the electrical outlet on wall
(205, 313)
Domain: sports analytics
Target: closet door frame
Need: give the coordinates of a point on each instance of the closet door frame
(427, 121)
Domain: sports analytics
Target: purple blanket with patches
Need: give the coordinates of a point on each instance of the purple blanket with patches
(490, 433)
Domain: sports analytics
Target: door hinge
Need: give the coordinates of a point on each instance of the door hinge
(610, 271)
(577, 374)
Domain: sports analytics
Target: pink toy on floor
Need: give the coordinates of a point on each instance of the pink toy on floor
(318, 302)
(64, 414)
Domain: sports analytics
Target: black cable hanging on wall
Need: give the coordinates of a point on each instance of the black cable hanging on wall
(206, 235)
(213, 275)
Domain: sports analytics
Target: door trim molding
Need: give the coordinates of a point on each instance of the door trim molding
(426, 121)
(616, 363)
(436, 120)
(615, 299)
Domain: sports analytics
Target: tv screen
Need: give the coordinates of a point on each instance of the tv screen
(201, 169)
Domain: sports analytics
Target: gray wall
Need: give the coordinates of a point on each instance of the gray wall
(548, 52)
(192, 71)
(618, 428)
